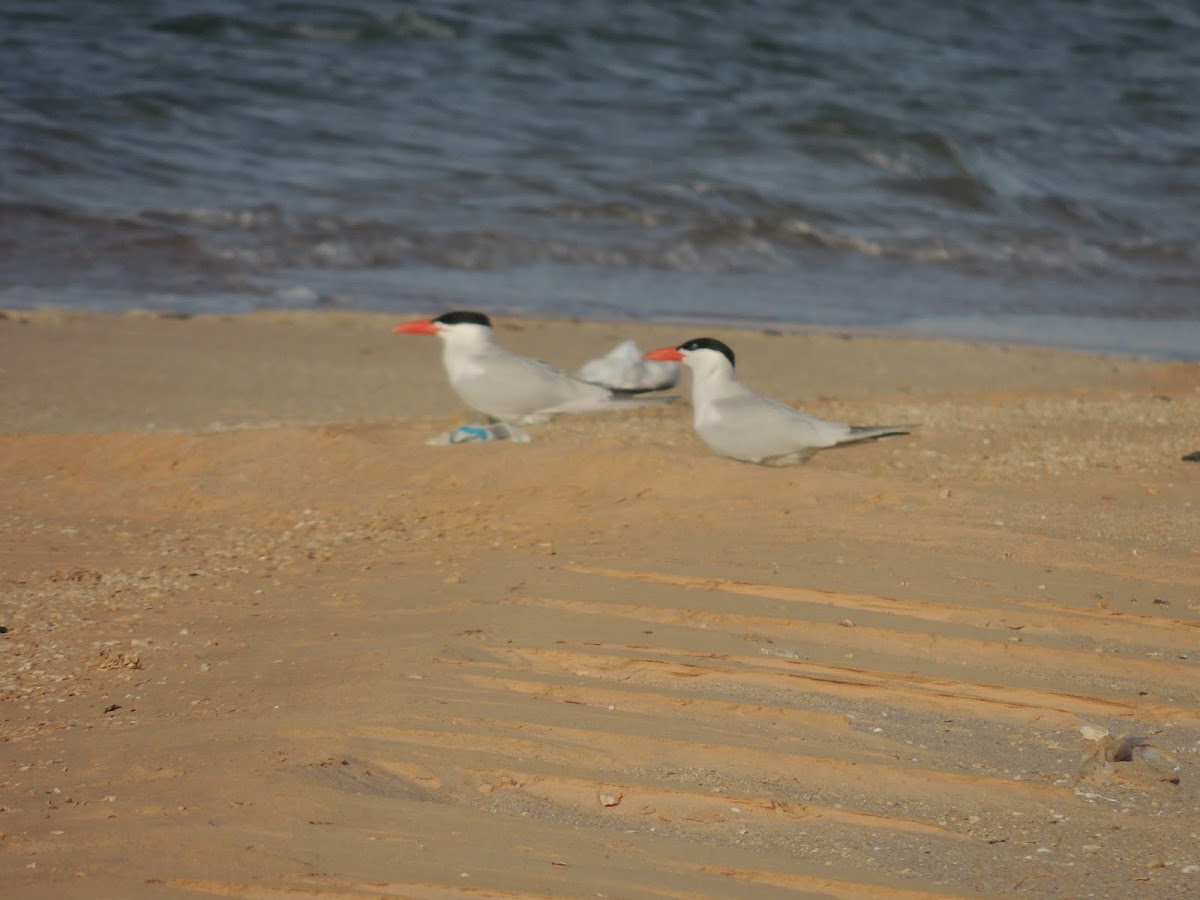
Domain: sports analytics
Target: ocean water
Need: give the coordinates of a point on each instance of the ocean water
(1026, 171)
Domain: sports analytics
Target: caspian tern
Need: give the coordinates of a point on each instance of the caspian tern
(740, 424)
(505, 385)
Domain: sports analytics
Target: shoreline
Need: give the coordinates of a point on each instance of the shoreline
(260, 637)
(1165, 340)
(222, 348)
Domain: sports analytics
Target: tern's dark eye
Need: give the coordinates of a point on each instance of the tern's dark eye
(463, 317)
(706, 343)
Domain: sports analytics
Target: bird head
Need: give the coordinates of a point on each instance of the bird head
(457, 325)
(699, 354)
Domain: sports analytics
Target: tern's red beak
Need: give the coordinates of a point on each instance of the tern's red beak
(664, 354)
(425, 326)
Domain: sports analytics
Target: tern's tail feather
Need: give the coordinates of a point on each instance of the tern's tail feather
(874, 432)
(621, 393)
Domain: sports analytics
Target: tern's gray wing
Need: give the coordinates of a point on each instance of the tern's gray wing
(512, 387)
(754, 428)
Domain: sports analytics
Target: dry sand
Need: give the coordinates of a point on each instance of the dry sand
(262, 641)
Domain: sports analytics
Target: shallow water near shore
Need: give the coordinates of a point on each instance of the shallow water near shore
(860, 166)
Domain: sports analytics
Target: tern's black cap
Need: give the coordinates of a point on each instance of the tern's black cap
(708, 344)
(463, 317)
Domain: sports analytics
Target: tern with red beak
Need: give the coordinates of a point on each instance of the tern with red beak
(740, 424)
(505, 385)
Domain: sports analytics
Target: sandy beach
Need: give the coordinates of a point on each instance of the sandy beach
(262, 641)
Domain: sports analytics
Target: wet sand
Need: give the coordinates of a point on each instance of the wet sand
(262, 641)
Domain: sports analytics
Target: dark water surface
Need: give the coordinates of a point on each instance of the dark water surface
(1028, 170)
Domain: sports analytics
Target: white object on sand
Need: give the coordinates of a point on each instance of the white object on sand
(624, 369)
